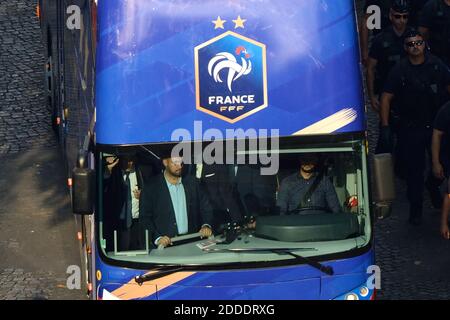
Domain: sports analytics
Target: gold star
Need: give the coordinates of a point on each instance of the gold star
(239, 23)
(218, 23)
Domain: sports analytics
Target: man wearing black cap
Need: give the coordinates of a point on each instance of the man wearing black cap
(387, 50)
(307, 190)
(385, 6)
(420, 84)
(173, 205)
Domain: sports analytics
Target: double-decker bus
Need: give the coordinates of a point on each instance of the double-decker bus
(259, 83)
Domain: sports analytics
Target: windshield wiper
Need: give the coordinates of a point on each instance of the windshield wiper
(158, 274)
(284, 251)
(325, 269)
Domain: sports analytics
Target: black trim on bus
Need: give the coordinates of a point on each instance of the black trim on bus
(284, 142)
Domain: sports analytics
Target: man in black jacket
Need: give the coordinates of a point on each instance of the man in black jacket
(173, 205)
(420, 84)
(227, 207)
(123, 182)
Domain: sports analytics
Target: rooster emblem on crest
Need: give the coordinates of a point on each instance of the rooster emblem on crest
(226, 60)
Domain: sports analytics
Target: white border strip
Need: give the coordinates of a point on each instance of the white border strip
(330, 124)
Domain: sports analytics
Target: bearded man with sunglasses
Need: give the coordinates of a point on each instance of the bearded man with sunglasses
(420, 85)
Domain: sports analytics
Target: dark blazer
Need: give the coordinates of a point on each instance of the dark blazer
(158, 215)
(216, 182)
(115, 194)
(257, 191)
(113, 201)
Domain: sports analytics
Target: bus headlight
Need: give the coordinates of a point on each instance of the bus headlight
(351, 296)
(360, 293)
(364, 292)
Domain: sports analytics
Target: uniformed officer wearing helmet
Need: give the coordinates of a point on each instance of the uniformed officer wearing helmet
(420, 84)
(384, 8)
(387, 50)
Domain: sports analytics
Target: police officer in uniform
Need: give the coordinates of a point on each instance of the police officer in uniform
(387, 50)
(435, 26)
(385, 5)
(420, 83)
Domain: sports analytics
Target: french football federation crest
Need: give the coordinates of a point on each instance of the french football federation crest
(231, 77)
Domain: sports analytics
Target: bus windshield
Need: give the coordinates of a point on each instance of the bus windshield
(314, 203)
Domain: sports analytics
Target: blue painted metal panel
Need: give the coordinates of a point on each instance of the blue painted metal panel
(286, 283)
(146, 69)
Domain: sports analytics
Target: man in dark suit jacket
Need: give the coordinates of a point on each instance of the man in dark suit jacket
(172, 205)
(216, 181)
(257, 191)
(123, 182)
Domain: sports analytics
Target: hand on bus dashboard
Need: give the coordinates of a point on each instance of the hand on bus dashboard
(251, 225)
(164, 241)
(205, 232)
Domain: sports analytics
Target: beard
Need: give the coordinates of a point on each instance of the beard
(310, 170)
(176, 173)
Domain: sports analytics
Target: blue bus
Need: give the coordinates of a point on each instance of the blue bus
(281, 79)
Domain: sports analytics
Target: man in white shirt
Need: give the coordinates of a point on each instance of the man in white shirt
(123, 181)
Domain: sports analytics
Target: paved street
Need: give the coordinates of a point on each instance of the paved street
(37, 230)
(413, 260)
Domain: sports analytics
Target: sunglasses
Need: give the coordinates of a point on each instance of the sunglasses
(177, 162)
(415, 43)
(399, 16)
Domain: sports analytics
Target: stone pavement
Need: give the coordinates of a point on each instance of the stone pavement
(24, 120)
(37, 229)
(414, 261)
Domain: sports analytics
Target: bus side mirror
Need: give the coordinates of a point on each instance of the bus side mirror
(384, 184)
(83, 190)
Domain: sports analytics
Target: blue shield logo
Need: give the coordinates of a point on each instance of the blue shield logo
(231, 77)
